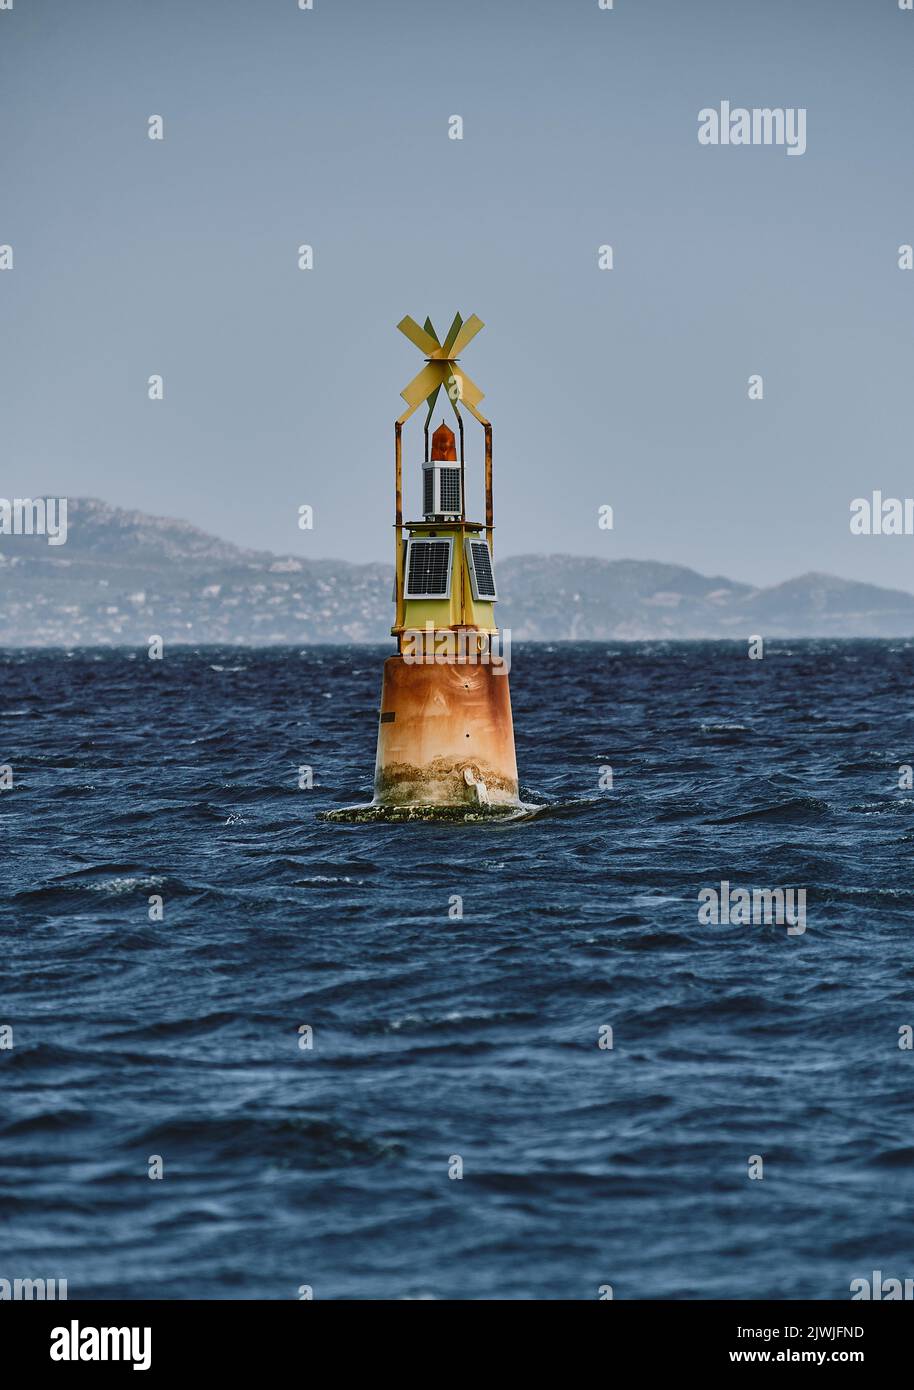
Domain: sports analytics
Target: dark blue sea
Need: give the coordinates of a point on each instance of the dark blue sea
(438, 1038)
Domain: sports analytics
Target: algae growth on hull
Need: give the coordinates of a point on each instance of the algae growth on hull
(394, 814)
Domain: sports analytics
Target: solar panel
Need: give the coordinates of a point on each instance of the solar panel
(483, 579)
(428, 491)
(450, 491)
(428, 571)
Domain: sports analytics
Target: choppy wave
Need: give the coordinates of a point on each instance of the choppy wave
(176, 917)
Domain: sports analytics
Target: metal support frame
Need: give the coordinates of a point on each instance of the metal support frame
(441, 360)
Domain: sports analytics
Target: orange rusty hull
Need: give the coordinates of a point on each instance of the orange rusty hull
(446, 737)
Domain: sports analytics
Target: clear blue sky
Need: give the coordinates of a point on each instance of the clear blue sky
(330, 127)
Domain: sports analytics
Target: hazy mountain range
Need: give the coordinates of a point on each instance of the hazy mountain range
(123, 576)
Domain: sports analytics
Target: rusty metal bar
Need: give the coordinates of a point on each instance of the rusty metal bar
(463, 473)
(490, 514)
(463, 516)
(398, 526)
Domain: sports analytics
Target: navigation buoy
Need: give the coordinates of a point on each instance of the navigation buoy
(445, 736)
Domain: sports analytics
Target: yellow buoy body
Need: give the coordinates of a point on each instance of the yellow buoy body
(445, 736)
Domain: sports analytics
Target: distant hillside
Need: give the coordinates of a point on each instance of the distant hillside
(124, 575)
(565, 596)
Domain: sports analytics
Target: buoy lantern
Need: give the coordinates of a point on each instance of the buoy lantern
(445, 736)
